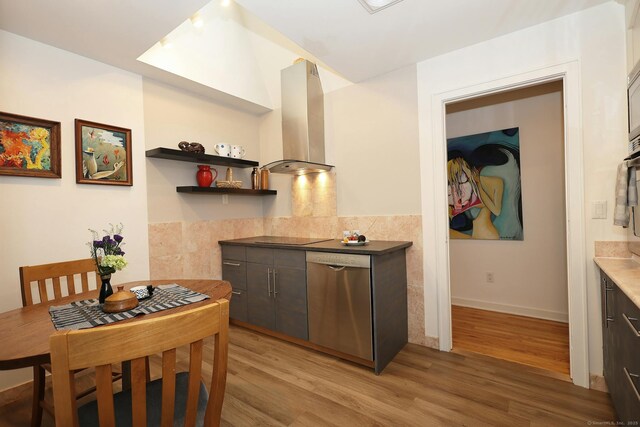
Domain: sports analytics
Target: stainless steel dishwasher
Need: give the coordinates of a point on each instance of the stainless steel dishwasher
(339, 302)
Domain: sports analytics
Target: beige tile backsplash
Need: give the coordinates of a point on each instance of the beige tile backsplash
(616, 249)
(190, 250)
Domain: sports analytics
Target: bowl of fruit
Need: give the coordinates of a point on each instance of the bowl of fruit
(355, 239)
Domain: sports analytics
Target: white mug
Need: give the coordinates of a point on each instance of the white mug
(223, 150)
(237, 151)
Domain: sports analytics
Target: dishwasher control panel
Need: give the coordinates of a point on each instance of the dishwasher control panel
(340, 259)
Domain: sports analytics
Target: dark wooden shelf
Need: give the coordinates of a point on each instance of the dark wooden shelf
(185, 156)
(216, 190)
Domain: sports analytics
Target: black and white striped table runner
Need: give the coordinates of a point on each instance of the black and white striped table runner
(88, 313)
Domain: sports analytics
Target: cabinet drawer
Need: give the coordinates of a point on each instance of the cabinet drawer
(290, 258)
(238, 305)
(260, 255)
(630, 335)
(234, 252)
(628, 406)
(235, 272)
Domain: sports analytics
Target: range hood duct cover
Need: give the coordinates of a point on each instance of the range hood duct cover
(302, 121)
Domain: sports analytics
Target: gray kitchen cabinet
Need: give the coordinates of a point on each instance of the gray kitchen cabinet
(261, 305)
(277, 304)
(621, 346)
(276, 290)
(234, 270)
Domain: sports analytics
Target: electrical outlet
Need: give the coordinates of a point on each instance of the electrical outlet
(225, 199)
(489, 277)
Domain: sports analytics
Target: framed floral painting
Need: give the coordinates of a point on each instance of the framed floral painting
(29, 146)
(103, 154)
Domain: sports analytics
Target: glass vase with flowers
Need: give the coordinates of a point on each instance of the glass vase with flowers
(108, 255)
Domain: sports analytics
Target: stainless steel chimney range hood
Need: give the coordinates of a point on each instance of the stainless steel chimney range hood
(297, 167)
(302, 121)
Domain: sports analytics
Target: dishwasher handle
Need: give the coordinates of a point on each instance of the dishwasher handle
(337, 267)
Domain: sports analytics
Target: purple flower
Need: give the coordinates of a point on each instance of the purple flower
(118, 238)
(98, 244)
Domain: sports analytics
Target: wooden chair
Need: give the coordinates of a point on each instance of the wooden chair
(54, 272)
(47, 278)
(160, 402)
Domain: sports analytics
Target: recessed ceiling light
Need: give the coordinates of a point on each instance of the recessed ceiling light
(374, 6)
(225, 3)
(166, 43)
(197, 21)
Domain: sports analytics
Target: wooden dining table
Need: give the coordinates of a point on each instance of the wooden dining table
(25, 332)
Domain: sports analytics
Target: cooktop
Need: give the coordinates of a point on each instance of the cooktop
(282, 240)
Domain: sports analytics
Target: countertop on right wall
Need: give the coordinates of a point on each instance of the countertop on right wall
(625, 272)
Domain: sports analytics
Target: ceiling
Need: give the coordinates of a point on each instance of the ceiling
(361, 45)
(340, 33)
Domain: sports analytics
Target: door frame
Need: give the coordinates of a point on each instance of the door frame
(435, 226)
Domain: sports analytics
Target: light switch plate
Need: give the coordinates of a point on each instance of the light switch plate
(599, 209)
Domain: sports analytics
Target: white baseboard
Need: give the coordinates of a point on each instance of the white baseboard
(512, 309)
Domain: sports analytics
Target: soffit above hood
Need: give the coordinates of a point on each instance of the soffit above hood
(302, 121)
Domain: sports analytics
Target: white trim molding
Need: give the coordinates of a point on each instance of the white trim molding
(433, 160)
(518, 310)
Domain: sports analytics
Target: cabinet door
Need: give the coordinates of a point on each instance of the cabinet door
(291, 302)
(260, 302)
(609, 325)
(234, 270)
(629, 360)
(238, 305)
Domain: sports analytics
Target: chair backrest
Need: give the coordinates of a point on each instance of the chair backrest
(100, 347)
(52, 273)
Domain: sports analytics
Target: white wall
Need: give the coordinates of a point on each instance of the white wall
(172, 115)
(47, 220)
(371, 137)
(521, 285)
(596, 39)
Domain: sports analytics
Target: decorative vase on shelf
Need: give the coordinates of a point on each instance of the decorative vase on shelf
(205, 176)
(105, 289)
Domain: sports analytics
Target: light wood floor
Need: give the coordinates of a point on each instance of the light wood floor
(273, 383)
(534, 342)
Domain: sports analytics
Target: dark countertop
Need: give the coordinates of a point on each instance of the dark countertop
(374, 247)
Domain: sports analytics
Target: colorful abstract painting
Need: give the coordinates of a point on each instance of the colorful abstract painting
(483, 176)
(29, 146)
(103, 154)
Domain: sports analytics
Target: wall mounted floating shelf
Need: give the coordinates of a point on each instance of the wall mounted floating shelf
(216, 190)
(185, 156)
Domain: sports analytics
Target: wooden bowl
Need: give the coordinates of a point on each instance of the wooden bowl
(120, 301)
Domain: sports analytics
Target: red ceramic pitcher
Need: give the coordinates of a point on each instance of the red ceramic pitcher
(205, 175)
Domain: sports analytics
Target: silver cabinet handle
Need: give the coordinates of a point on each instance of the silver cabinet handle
(274, 283)
(233, 264)
(236, 292)
(633, 328)
(633, 385)
(607, 289)
(268, 281)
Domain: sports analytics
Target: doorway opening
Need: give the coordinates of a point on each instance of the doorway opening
(509, 292)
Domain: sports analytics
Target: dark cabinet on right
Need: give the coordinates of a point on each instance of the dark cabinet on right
(621, 349)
